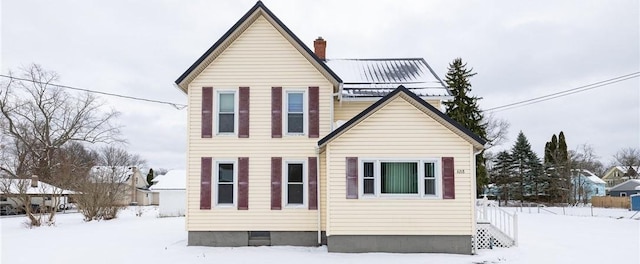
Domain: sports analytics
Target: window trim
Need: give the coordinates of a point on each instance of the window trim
(377, 165)
(305, 111)
(285, 183)
(235, 111)
(216, 180)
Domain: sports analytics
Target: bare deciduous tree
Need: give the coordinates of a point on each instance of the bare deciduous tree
(629, 158)
(497, 130)
(39, 118)
(109, 185)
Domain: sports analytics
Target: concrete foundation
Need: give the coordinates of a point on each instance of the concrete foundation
(343, 244)
(242, 238)
(400, 244)
(218, 238)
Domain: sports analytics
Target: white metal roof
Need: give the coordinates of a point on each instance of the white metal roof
(378, 77)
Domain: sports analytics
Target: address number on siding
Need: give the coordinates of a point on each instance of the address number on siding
(460, 171)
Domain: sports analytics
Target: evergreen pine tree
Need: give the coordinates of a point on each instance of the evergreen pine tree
(465, 110)
(558, 171)
(525, 163)
(502, 175)
(150, 177)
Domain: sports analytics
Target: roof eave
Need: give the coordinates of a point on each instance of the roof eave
(258, 9)
(477, 142)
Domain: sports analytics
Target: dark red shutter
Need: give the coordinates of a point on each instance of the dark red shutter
(205, 183)
(352, 177)
(276, 112)
(448, 179)
(207, 111)
(314, 112)
(276, 183)
(313, 183)
(243, 183)
(243, 115)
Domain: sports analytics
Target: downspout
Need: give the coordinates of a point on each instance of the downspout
(318, 181)
(474, 247)
(331, 118)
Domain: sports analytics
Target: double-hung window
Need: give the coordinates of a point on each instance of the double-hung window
(295, 192)
(227, 108)
(400, 178)
(225, 180)
(295, 112)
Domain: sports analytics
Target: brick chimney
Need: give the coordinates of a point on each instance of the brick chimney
(320, 48)
(34, 181)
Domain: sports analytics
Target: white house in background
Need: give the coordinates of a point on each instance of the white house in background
(172, 190)
(42, 194)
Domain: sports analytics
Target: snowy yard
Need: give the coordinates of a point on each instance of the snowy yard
(545, 237)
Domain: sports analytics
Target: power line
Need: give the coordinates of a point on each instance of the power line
(565, 92)
(175, 105)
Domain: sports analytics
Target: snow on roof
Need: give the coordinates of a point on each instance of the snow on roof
(378, 77)
(14, 186)
(624, 169)
(595, 179)
(173, 180)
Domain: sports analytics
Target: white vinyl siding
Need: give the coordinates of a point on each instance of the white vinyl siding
(260, 58)
(400, 132)
(345, 110)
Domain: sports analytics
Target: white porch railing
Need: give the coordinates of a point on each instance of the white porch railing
(498, 218)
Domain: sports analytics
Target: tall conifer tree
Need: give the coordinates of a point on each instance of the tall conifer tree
(465, 110)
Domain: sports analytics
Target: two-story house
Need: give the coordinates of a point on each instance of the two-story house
(619, 174)
(287, 147)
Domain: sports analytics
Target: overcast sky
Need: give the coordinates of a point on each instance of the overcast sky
(518, 49)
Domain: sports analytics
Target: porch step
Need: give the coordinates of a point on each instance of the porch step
(488, 236)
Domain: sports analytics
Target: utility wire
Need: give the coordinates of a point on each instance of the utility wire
(565, 92)
(175, 105)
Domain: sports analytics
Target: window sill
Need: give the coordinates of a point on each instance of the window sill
(295, 134)
(226, 134)
(225, 206)
(296, 206)
(400, 197)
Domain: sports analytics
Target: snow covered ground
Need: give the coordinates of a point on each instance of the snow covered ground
(609, 237)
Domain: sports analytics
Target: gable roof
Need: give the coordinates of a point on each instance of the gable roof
(378, 77)
(259, 9)
(629, 185)
(427, 108)
(623, 169)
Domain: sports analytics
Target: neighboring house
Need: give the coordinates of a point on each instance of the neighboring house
(625, 189)
(286, 147)
(136, 191)
(586, 185)
(619, 174)
(171, 188)
(41, 194)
